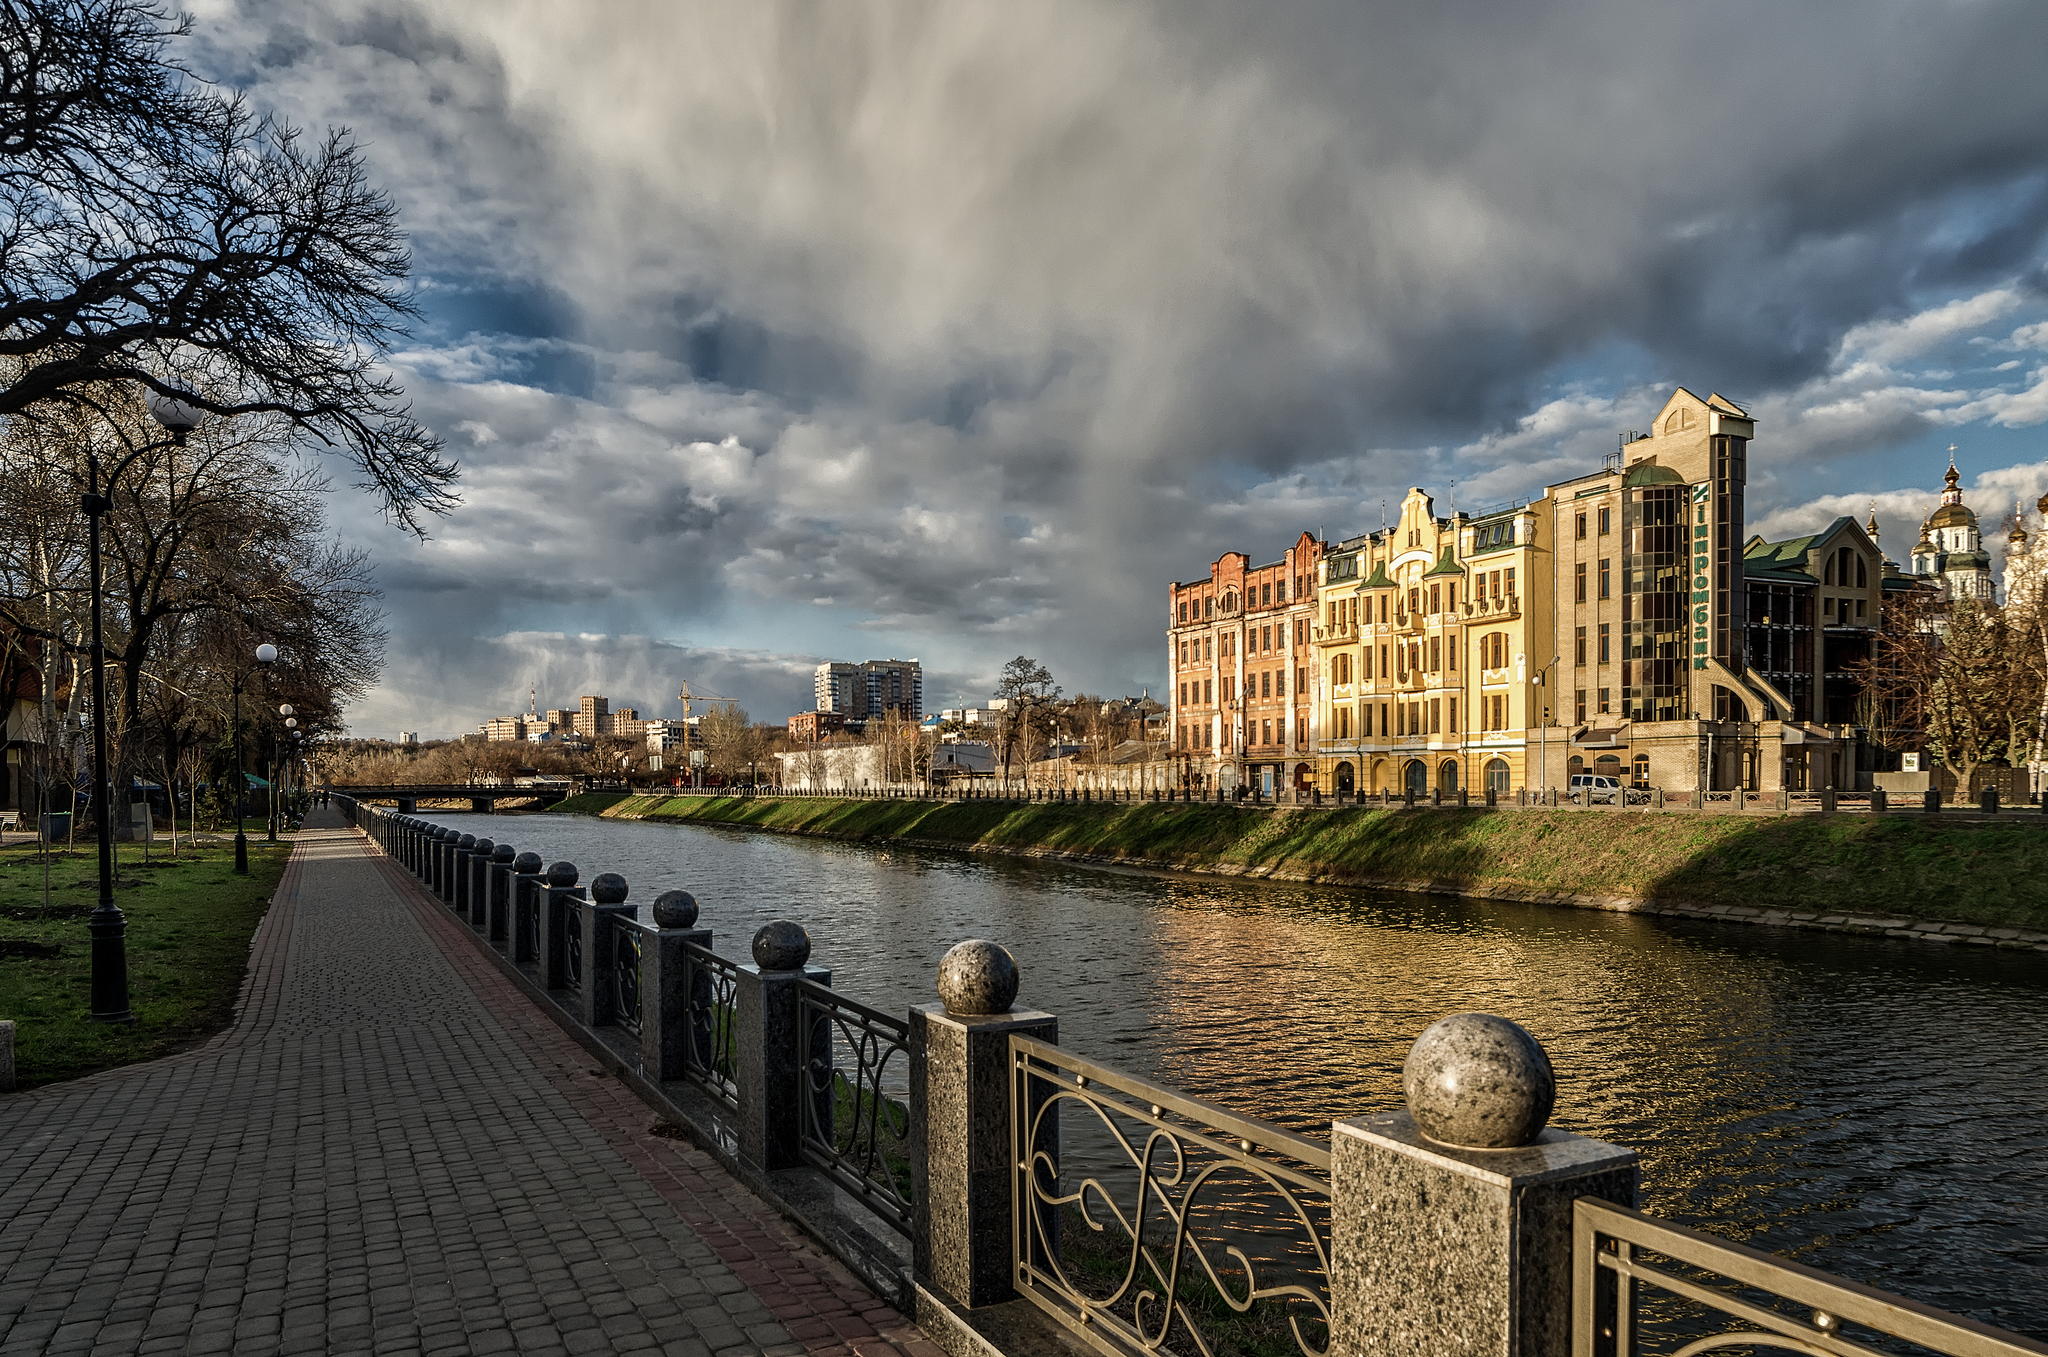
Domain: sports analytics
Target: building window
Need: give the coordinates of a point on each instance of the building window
(1581, 718)
(1606, 578)
(1579, 527)
(1604, 631)
(1603, 699)
(1208, 692)
(1579, 582)
(1266, 684)
(1606, 520)
(1436, 598)
(1579, 645)
(1300, 678)
(1183, 610)
(1511, 581)
(1435, 654)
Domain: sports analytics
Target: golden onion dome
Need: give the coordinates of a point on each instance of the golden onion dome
(1953, 516)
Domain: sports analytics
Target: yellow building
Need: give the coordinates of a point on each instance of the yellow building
(1421, 642)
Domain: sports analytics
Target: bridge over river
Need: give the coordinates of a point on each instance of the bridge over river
(480, 799)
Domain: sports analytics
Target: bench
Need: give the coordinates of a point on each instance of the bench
(10, 819)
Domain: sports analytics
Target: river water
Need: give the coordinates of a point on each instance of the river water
(1874, 1107)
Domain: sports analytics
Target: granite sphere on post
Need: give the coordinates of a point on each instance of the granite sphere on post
(675, 909)
(977, 977)
(504, 853)
(1478, 1082)
(527, 863)
(466, 841)
(781, 946)
(608, 888)
(485, 847)
(562, 875)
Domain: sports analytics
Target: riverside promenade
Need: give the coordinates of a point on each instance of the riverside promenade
(391, 1151)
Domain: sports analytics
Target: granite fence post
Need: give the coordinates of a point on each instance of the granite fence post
(6, 1055)
(1877, 800)
(561, 942)
(477, 881)
(499, 894)
(1451, 1222)
(595, 1003)
(766, 1047)
(523, 923)
(667, 983)
(444, 866)
(461, 880)
(961, 1166)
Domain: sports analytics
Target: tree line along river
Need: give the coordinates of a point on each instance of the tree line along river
(1874, 1107)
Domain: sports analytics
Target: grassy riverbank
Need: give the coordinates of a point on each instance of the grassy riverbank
(1946, 869)
(190, 919)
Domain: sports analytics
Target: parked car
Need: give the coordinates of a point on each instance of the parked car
(1595, 789)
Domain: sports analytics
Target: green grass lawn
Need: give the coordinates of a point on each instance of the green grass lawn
(189, 923)
(1929, 867)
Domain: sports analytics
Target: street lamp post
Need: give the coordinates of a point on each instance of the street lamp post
(284, 710)
(266, 655)
(109, 929)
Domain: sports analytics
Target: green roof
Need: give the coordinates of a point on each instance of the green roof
(1647, 472)
(1378, 578)
(1786, 560)
(1444, 566)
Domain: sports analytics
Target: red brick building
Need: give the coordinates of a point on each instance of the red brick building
(1242, 698)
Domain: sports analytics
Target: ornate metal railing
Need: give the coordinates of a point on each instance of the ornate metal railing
(569, 926)
(627, 940)
(526, 904)
(709, 1060)
(1725, 1298)
(1210, 1231)
(856, 1109)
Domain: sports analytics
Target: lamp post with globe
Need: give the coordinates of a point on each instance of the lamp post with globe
(108, 928)
(291, 723)
(266, 655)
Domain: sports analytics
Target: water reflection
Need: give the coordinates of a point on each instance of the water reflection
(1877, 1108)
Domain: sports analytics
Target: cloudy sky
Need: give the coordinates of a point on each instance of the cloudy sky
(767, 333)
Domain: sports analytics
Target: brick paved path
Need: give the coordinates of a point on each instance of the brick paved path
(390, 1151)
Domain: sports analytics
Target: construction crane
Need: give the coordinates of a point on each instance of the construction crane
(687, 697)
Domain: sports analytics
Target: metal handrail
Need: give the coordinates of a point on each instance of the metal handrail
(1207, 1181)
(1604, 1240)
(864, 1147)
(708, 1056)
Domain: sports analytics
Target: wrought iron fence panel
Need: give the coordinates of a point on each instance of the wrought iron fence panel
(1643, 1287)
(710, 1060)
(1153, 1222)
(569, 938)
(628, 943)
(526, 901)
(856, 1112)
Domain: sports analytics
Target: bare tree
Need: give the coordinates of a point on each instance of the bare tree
(1959, 675)
(155, 230)
(1027, 692)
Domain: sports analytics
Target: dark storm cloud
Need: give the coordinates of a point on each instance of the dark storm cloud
(982, 322)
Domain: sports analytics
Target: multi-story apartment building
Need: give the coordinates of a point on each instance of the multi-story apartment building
(504, 728)
(1422, 641)
(871, 688)
(1243, 692)
(1619, 623)
(593, 717)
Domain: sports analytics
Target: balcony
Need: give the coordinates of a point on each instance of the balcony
(1493, 606)
(1340, 632)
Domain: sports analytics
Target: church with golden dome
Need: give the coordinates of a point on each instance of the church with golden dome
(1950, 553)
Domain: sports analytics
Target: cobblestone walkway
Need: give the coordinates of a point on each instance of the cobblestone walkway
(390, 1151)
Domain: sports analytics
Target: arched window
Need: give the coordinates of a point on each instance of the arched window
(1862, 573)
(1496, 775)
(1415, 778)
(1347, 779)
(1680, 419)
(1639, 770)
(1575, 765)
(1447, 776)
(1608, 765)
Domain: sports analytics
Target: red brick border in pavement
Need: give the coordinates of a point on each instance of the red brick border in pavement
(816, 1299)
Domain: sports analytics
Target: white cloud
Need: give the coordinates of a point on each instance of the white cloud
(1891, 341)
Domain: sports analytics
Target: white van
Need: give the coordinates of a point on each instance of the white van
(1592, 789)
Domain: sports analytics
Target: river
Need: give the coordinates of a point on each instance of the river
(1875, 1107)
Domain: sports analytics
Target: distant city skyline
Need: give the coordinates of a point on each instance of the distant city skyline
(960, 348)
